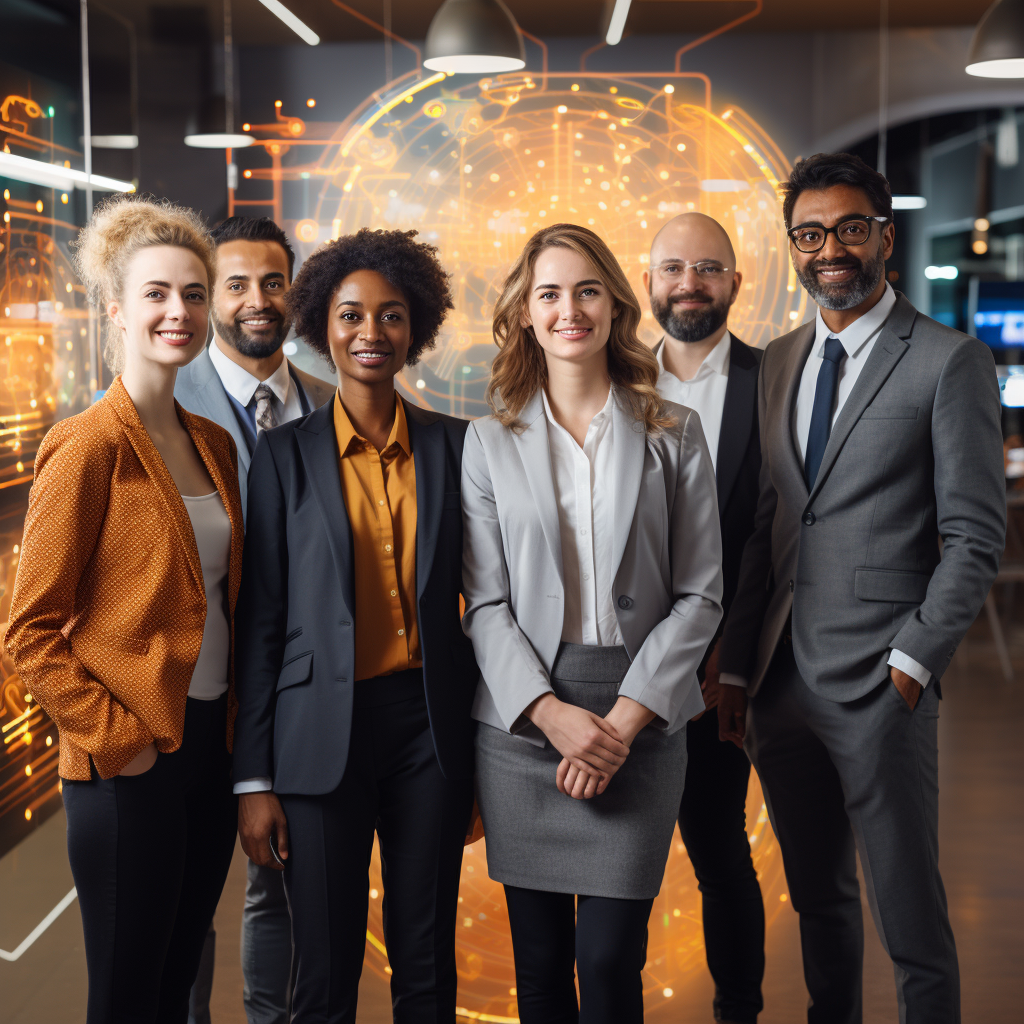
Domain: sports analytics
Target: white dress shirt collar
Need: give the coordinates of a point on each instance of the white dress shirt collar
(241, 384)
(863, 329)
(716, 361)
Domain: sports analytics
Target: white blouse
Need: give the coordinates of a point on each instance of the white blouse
(212, 529)
(584, 489)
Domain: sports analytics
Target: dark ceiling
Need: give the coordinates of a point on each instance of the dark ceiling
(254, 24)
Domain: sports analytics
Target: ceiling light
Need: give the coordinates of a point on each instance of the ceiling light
(35, 172)
(617, 23)
(909, 202)
(300, 28)
(474, 37)
(941, 273)
(114, 141)
(219, 140)
(997, 47)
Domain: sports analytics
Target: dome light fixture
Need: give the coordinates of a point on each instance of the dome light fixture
(474, 37)
(997, 46)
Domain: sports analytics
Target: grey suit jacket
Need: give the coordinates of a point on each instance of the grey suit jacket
(668, 552)
(915, 457)
(199, 389)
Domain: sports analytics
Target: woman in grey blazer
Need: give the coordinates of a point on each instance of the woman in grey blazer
(593, 584)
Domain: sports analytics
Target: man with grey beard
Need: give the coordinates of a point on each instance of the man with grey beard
(880, 438)
(693, 283)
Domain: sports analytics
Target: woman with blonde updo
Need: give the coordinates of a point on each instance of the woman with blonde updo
(121, 620)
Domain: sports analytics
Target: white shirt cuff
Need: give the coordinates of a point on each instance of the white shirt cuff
(897, 659)
(262, 785)
(730, 680)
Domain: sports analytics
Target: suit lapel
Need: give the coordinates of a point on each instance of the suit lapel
(887, 352)
(532, 445)
(427, 438)
(798, 355)
(216, 406)
(157, 471)
(627, 472)
(318, 446)
(737, 418)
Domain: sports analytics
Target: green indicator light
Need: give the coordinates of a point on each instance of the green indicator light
(49, 111)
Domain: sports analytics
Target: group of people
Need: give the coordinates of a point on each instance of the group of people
(253, 602)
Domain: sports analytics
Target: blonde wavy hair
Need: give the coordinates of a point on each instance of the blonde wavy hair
(121, 226)
(519, 368)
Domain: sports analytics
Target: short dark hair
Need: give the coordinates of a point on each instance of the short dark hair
(411, 266)
(254, 229)
(825, 170)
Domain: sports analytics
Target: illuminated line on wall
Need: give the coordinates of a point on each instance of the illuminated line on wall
(39, 928)
(617, 22)
(390, 105)
(36, 172)
(488, 1018)
(300, 28)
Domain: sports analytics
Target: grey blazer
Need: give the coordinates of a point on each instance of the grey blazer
(915, 457)
(668, 551)
(199, 389)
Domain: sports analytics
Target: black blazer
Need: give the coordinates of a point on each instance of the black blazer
(295, 649)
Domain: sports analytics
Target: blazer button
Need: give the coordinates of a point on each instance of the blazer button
(809, 519)
(625, 602)
(791, 586)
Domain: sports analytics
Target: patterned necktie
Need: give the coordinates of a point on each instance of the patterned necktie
(265, 418)
(821, 412)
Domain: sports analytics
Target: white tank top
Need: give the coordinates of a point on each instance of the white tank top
(212, 530)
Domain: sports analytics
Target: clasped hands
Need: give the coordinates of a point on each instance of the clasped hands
(593, 748)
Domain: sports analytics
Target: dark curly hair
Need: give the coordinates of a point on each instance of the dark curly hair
(825, 170)
(411, 266)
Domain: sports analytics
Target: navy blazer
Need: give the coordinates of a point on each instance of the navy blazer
(295, 650)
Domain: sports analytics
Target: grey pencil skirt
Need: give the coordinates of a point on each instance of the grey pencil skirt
(614, 845)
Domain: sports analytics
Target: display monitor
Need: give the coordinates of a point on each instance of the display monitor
(999, 314)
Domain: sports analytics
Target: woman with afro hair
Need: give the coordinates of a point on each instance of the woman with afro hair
(355, 681)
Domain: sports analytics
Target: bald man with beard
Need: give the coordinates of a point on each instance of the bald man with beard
(692, 284)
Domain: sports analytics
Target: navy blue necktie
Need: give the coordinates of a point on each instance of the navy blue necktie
(821, 412)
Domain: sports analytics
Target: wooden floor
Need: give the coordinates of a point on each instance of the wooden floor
(982, 862)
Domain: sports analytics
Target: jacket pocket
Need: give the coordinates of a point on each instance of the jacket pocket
(889, 412)
(295, 670)
(893, 585)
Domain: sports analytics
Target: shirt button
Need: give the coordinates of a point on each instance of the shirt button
(381, 502)
(586, 576)
(387, 547)
(401, 632)
(394, 593)
(583, 532)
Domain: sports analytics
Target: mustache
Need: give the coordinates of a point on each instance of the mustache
(691, 297)
(843, 261)
(269, 314)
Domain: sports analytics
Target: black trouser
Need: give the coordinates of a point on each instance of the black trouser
(607, 940)
(392, 785)
(713, 823)
(149, 854)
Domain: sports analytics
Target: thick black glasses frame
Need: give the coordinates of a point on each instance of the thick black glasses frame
(835, 231)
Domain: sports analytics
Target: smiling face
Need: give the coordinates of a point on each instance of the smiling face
(368, 329)
(162, 312)
(249, 312)
(838, 276)
(569, 306)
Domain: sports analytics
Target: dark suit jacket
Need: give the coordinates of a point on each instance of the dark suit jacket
(296, 636)
(738, 463)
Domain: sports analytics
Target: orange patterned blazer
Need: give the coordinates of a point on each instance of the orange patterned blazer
(109, 605)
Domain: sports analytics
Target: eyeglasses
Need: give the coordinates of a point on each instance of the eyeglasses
(674, 270)
(855, 231)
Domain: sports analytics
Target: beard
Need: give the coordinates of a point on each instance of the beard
(690, 324)
(849, 293)
(238, 337)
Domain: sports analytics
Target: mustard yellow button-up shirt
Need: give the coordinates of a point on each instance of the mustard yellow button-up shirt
(379, 489)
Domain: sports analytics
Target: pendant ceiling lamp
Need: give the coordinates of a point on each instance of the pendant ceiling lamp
(997, 47)
(474, 37)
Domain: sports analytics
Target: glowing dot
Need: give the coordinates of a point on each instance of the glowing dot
(64, 198)
(663, 175)
(727, 115)
(783, 898)
(49, 741)
(387, 969)
(670, 89)
(67, 287)
(16, 549)
(246, 127)
(27, 737)
(277, 103)
(563, 109)
(512, 991)
(613, 90)
(434, 175)
(540, 163)
(793, 314)
(575, 88)
(28, 769)
(605, 186)
(28, 813)
(421, 384)
(393, 194)
(554, 199)
(981, 224)
(643, 224)
(310, 103)
(467, 922)
(667, 993)
(7, 193)
(468, 169)
(7, 218)
(681, 147)
(613, 127)
(21, 469)
(39, 206)
(374, 894)
(511, 193)
(677, 912)
(495, 177)
(497, 245)
(980, 247)
(590, 221)
(622, 145)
